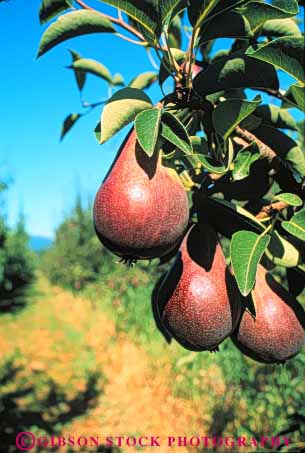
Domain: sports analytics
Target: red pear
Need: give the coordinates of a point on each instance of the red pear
(198, 300)
(141, 209)
(273, 330)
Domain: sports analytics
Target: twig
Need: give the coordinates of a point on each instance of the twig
(133, 41)
(83, 5)
(171, 57)
(283, 173)
(269, 210)
(114, 20)
(265, 151)
(151, 59)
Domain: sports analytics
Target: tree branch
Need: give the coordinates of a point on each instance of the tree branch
(283, 173)
(265, 151)
(271, 209)
(115, 20)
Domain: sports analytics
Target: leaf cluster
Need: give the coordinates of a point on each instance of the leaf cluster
(227, 127)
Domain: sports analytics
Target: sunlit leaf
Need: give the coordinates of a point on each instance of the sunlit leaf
(144, 80)
(258, 12)
(243, 161)
(93, 67)
(235, 72)
(276, 117)
(246, 250)
(80, 75)
(173, 131)
(147, 126)
(289, 198)
(143, 13)
(121, 109)
(51, 8)
(117, 80)
(73, 24)
(280, 27)
(69, 123)
(296, 225)
(229, 113)
(286, 53)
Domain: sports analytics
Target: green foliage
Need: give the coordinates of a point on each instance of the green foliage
(121, 109)
(51, 8)
(144, 80)
(147, 124)
(286, 53)
(17, 264)
(71, 25)
(228, 114)
(76, 256)
(247, 247)
(236, 157)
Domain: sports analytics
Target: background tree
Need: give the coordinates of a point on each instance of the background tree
(17, 263)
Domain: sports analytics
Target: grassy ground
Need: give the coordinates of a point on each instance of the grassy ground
(95, 364)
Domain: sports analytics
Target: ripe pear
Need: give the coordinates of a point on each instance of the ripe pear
(198, 300)
(141, 209)
(273, 330)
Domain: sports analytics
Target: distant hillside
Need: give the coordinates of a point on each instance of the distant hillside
(38, 243)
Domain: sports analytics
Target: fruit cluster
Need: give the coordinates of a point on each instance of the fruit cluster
(141, 212)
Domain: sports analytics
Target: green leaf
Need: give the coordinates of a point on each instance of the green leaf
(296, 280)
(69, 123)
(179, 56)
(201, 152)
(201, 11)
(121, 109)
(247, 249)
(93, 67)
(175, 33)
(287, 149)
(235, 72)
(296, 100)
(280, 27)
(51, 8)
(71, 25)
(281, 252)
(228, 218)
(228, 25)
(286, 53)
(97, 132)
(296, 225)
(198, 11)
(298, 94)
(251, 123)
(144, 80)
(147, 126)
(142, 12)
(169, 8)
(80, 75)
(173, 131)
(259, 12)
(229, 113)
(276, 117)
(289, 198)
(243, 161)
(117, 80)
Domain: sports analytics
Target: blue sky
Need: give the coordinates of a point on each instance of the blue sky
(36, 95)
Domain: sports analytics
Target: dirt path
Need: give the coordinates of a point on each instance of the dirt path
(64, 334)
